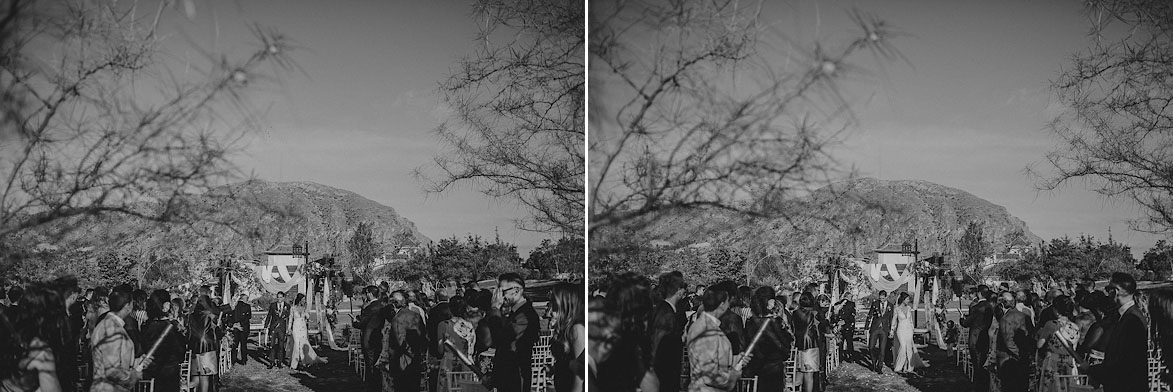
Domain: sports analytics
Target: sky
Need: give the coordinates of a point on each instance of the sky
(360, 116)
(970, 107)
(968, 111)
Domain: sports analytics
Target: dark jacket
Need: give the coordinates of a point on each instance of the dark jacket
(205, 333)
(880, 320)
(408, 343)
(808, 327)
(370, 321)
(515, 347)
(164, 369)
(734, 328)
(773, 350)
(243, 314)
(277, 321)
(1125, 366)
(667, 331)
(979, 320)
(439, 313)
(1015, 340)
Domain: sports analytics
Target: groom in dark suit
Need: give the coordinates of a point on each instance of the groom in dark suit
(277, 321)
(879, 323)
(242, 316)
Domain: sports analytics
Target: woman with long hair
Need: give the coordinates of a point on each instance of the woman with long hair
(630, 296)
(165, 367)
(568, 340)
(175, 313)
(1056, 339)
(298, 331)
(902, 330)
(773, 350)
(808, 339)
(461, 331)
(28, 343)
(204, 343)
(1160, 310)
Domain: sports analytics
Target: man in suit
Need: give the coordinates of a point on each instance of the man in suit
(1016, 346)
(1125, 366)
(277, 321)
(511, 364)
(879, 323)
(242, 316)
(405, 345)
(667, 330)
(979, 320)
(371, 321)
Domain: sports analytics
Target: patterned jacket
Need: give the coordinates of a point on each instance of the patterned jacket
(113, 356)
(710, 355)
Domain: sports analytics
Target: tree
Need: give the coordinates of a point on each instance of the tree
(974, 250)
(687, 112)
(554, 258)
(517, 104)
(1114, 133)
(94, 122)
(363, 250)
(1158, 260)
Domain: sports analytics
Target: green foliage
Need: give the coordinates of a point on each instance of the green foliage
(1158, 261)
(463, 261)
(1064, 258)
(363, 250)
(564, 256)
(974, 248)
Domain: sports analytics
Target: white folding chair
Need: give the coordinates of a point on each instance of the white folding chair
(746, 385)
(145, 386)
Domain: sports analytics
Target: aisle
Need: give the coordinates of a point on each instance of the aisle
(334, 376)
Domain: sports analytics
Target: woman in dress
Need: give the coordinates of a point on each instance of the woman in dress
(165, 367)
(1057, 339)
(902, 329)
(298, 330)
(461, 331)
(204, 343)
(29, 340)
(808, 339)
(568, 342)
(773, 350)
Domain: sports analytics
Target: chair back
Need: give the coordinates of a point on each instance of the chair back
(145, 386)
(454, 379)
(746, 385)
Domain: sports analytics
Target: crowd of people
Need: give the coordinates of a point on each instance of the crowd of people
(491, 332)
(641, 333)
(663, 335)
(1020, 340)
(54, 337)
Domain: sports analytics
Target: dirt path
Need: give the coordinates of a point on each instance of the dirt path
(334, 376)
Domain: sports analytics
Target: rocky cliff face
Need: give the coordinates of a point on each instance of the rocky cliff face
(854, 217)
(323, 215)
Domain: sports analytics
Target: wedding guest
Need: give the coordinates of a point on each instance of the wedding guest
(1125, 360)
(164, 369)
(115, 367)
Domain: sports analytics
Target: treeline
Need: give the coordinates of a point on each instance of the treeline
(1067, 258)
(472, 259)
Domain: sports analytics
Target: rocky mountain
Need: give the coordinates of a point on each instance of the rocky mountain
(852, 217)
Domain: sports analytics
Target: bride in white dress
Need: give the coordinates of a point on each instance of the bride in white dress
(301, 351)
(902, 326)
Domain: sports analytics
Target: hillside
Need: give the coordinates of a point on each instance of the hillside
(855, 216)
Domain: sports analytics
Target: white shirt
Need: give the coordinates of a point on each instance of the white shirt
(1124, 308)
(672, 305)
